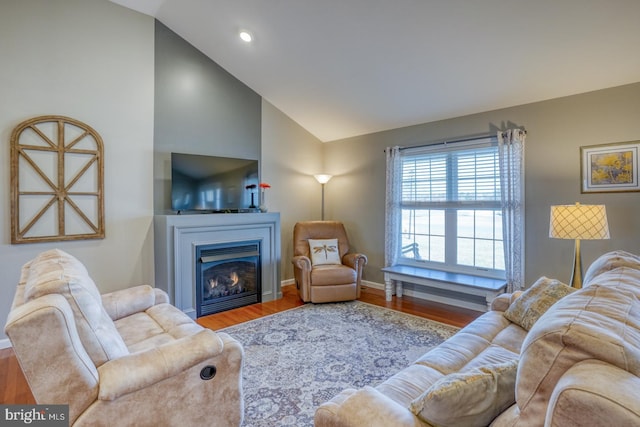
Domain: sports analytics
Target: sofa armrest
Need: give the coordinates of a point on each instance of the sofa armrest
(45, 340)
(161, 296)
(594, 393)
(139, 370)
(503, 301)
(126, 302)
(364, 407)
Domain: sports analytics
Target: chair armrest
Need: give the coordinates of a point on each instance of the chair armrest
(594, 393)
(45, 340)
(503, 301)
(302, 262)
(302, 274)
(140, 370)
(354, 260)
(126, 302)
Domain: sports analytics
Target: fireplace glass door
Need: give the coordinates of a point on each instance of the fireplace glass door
(227, 276)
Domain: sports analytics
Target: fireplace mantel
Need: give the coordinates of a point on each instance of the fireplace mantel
(176, 237)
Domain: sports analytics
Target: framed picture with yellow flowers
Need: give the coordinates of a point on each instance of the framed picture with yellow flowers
(610, 168)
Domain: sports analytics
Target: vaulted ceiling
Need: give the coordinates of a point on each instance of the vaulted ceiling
(343, 68)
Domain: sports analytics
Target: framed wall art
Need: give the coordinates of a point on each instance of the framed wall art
(57, 180)
(610, 168)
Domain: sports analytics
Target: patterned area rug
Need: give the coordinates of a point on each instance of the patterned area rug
(297, 359)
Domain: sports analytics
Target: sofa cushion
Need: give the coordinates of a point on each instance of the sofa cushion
(57, 272)
(324, 251)
(600, 322)
(490, 339)
(608, 262)
(158, 325)
(472, 398)
(535, 301)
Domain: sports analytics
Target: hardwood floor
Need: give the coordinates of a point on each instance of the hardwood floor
(13, 385)
(15, 390)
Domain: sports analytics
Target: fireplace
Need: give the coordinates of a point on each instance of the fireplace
(227, 276)
(177, 237)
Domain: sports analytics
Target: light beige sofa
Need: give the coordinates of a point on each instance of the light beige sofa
(126, 358)
(577, 365)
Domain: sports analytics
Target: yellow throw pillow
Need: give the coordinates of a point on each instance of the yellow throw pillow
(535, 301)
(468, 399)
(324, 251)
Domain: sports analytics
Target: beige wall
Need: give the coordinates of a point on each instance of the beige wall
(290, 157)
(91, 60)
(555, 131)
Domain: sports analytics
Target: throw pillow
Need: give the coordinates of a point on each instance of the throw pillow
(535, 301)
(468, 399)
(324, 251)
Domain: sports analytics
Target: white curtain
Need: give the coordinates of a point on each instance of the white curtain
(392, 205)
(511, 149)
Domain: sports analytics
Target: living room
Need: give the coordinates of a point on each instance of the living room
(111, 67)
(106, 79)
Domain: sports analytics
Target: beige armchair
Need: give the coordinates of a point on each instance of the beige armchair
(126, 358)
(328, 272)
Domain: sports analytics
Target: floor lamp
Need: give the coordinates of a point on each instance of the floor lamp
(323, 178)
(579, 222)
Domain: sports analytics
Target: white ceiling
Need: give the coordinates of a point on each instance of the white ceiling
(343, 68)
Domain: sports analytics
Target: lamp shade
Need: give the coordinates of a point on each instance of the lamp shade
(584, 222)
(323, 178)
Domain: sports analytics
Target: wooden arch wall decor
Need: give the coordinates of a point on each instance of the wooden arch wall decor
(57, 181)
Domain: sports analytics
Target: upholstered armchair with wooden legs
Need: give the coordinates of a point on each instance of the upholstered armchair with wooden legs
(324, 269)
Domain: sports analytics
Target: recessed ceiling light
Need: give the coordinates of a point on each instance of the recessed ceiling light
(246, 36)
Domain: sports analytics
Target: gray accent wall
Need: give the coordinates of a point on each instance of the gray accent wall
(556, 129)
(199, 108)
(202, 109)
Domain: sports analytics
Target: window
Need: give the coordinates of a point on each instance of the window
(451, 216)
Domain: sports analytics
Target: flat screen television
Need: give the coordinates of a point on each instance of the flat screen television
(203, 183)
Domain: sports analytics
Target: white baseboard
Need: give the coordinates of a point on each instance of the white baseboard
(287, 282)
(373, 285)
(292, 282)
(5, 343)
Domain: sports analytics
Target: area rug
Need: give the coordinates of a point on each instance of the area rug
(297, 359)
